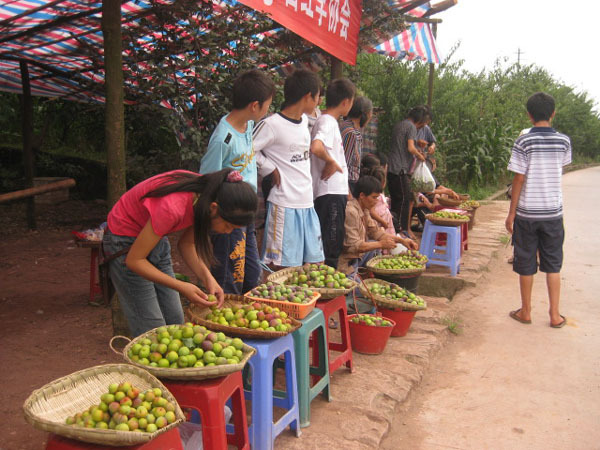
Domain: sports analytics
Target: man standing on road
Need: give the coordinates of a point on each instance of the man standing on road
(535, 215)
(403, 151)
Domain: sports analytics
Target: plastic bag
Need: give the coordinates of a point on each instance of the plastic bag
(422, 180)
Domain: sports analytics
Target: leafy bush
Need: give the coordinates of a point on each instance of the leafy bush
(477, 116)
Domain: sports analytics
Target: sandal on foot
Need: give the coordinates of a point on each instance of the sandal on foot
(560, 324)
(514, 315)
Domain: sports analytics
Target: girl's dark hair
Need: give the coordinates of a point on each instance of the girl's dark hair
(383, 159)
(361, 108)
(368, 161)
(236, 202)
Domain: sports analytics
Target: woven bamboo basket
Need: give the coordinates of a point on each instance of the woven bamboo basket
(444, 201)
(376, 270)
(48, 407)
(187, 373)
(445, 222)
(281, 276)
(386, 302)
(197, 314)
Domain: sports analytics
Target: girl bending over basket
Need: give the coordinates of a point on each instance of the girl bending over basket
(138, 224)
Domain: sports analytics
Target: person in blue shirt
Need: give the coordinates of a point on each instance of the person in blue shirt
(237, 265)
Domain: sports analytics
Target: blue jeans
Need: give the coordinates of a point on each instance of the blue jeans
(146, 305)
(237, 268)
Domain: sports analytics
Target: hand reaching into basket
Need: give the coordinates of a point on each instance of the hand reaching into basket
(196, 295)
(408, 243)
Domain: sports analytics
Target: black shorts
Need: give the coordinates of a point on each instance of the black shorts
(545, 237)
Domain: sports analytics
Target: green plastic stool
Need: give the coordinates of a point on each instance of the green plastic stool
(312, 325)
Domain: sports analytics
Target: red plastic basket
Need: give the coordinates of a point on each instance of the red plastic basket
(402, 318)
(369, 339)
(295, 310)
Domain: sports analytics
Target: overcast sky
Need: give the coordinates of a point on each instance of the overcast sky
(558, 35)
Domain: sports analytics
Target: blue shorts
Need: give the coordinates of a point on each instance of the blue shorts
(292, 236)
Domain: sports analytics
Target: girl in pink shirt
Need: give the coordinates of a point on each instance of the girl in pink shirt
(178, 200)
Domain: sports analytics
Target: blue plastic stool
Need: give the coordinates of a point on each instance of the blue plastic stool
(263, 431)
(451, 256)
(312, 325)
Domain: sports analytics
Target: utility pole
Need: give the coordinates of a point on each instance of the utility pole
(519, 53)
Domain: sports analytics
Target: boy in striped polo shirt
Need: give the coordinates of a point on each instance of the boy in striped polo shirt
(535, 215)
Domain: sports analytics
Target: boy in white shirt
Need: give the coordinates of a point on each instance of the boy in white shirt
(329, 169)
(282, 145)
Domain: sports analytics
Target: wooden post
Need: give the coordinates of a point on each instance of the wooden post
(114, 127)
(431, 72)
(27, 131)
(337, 68)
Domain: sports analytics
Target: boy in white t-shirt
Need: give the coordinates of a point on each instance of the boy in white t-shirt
(282, 145)
(329, 169)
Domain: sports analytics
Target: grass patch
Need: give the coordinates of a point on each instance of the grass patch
(454, 324)
(505, 239)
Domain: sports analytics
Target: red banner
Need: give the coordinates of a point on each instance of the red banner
(332, 25)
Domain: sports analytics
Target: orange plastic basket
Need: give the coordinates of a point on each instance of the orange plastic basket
(295, 310)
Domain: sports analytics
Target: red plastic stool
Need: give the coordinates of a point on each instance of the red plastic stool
(209, 397)
(329, 308)
(440, 238)
(169, 440)
(95, 288)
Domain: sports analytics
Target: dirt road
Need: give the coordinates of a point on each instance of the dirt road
(505, 385)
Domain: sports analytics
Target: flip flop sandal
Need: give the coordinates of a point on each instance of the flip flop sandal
(561, 324)
(513, 314)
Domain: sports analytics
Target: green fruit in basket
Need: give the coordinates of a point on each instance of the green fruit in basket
(151, 428)
(101, 425)
(199, 364)
(182, 361)
(217, 348)
(191, 360)
(97, 414)
(163, 362)
(122, 427)
(133, 424)
(209, 357)
(161, 422)
(170, 416)
(183, 351)
(143, 422)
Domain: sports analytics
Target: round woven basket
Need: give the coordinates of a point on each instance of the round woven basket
(373, 261)
(281, 276)
(187, 373)
(464, 197)
(445, 222)
(444, 201)
(197, 314)
(48, 407)
(386, 302)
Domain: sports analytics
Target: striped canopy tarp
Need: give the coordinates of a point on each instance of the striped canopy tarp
(417, 42)
(61, 42)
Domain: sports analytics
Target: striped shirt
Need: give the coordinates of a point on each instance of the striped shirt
(352, 142)
(540, 155)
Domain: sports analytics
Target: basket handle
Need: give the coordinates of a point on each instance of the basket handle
(110, 343)
(369, 293)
